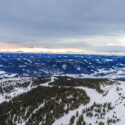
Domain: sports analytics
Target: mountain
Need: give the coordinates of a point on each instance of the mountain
(61, 101)
(61, 89)
(21, 64)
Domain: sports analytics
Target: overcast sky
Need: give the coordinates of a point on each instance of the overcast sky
(65, 26)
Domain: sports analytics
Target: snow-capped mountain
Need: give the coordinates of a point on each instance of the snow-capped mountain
(61, 64)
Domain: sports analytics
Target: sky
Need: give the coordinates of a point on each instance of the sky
(63, 26)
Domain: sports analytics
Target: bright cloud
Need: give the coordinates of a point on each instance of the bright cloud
(47, 50)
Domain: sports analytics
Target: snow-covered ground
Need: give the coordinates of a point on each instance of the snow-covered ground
(16, 87)
(115, 95)
(15, 90)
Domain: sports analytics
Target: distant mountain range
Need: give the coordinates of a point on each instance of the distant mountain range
(17, 64)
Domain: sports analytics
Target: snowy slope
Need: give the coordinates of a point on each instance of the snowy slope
(115, 96)
(105, 107)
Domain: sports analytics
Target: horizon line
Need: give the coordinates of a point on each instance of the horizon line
(105, 54)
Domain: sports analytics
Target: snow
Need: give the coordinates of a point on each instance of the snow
(18, 90)
(64, 66)
(120, 72)
(115, 94)
(66, 118)
(108, 60)
(112, 97)
(40, 106)
(47, 83)
(2, 72)
(78, 68)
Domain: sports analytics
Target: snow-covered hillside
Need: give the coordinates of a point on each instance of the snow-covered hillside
(96, 112)
(59, 89)
(62, 101)
(12, 65)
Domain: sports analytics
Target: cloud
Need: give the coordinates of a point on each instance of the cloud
(92, 25)
(47, 50)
